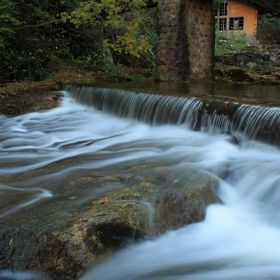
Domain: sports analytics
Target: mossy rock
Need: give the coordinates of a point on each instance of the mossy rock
(63, 236)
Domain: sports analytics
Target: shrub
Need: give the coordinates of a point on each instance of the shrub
(268, 30)
(230, 42)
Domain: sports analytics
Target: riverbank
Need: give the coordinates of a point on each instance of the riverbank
(19, 97)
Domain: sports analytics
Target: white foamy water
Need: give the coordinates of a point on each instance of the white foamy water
(239, 239)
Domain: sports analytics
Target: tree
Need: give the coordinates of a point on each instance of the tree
(120, 23)
(7, 22)
(217, 3)
(36, 37)
(269, 29)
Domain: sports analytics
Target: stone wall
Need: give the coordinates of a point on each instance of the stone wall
(186, 34)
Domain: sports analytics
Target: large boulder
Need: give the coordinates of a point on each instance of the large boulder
(92, 215)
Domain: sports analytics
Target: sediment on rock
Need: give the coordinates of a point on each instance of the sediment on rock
(62, 237)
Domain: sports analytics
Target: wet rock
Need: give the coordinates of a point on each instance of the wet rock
(240, 75)
(242, 58)
(185, 202)
(251, 65)
(91, 216)
(233, 140)
(254, 60)
(248, 67)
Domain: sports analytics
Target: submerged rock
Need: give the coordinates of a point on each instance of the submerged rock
(91, 216)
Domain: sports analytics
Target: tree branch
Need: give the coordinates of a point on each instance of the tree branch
(37, 25)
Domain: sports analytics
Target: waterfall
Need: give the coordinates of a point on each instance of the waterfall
(44, 153)
(150, 108)
(258, 123)
(244, 122)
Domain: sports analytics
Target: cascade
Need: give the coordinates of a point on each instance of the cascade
(55, 165)
(256, 122)
(244, 122)
(149, 108)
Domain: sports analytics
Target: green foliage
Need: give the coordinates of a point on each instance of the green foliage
(218, 2)
(8, 21)
(38, 38)
(230, 41)
(34, 34)
(145, 59)
(269, 29)
(120, 23)
(22, 66)
(9, 59)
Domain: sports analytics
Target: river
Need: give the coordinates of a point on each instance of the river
(239, 239)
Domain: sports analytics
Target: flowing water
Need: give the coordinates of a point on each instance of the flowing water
(239, 239)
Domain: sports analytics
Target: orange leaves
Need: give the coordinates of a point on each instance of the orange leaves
(103, 201)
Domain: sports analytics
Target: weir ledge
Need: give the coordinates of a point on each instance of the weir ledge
(242, 121)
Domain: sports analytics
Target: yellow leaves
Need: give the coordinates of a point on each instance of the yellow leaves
(129, 44)
(86, 13)
(122, 21)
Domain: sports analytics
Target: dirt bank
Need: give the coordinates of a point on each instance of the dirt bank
(19, 97)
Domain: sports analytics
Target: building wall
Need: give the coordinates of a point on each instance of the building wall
(236, 9)
(248, 17)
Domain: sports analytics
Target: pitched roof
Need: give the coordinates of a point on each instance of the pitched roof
(264, 6)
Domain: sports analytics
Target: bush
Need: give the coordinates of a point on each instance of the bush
(21, 66)
(268, 31)
(230, 42)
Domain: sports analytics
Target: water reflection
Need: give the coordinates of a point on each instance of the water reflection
(250, 94)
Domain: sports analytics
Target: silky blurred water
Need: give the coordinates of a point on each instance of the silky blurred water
(239, 239)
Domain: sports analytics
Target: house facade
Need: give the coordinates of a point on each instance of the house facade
(237, 16)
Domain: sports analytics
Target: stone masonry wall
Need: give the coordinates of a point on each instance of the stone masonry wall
(186, 34)
(201, 38)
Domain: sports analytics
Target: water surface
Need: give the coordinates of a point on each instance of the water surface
(249, 94)
(239, 239)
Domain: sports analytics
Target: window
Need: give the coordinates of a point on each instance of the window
(223, 9)
(236, 23)
(222, 24)
(224, 21)
(221, 16)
